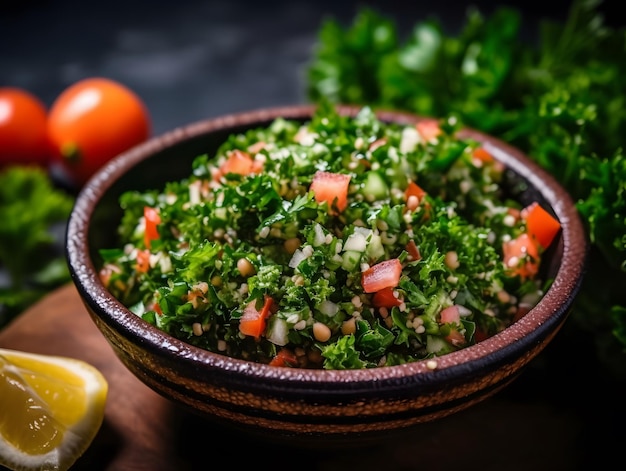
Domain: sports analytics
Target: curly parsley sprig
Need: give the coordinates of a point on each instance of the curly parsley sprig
(30, 209)
(560, 97)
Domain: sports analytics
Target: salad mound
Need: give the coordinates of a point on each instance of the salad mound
(338, 243)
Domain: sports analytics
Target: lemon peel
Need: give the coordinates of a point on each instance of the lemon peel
(51, 410)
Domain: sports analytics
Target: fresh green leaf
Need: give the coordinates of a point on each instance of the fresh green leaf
(559, 96)
(31, 208)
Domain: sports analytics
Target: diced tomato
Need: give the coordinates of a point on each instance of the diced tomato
(196, 297)
(482, 155)
(413, 251)
(143, 261)
(156, 308)
(153, 219)
(106, 276)
(257, 147)
(450, 314)
(153, 305)
(241, 163)
(413, 189)
(386, 298)
(331, 188)
(382, 275)
(284, 357)
(456, 338)
(253, 321)
(521, 256)
(540, 224)
(106, 272)
(428, 129)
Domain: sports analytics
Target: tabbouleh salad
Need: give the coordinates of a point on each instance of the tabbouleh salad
(338, 243)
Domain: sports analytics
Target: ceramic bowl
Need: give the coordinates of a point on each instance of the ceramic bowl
(303, 404)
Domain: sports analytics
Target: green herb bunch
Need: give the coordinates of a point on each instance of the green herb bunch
(33, 212)
(559, 96)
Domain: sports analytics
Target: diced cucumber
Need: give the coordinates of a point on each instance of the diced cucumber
(375, 187)
(375, 249)
(351, 260)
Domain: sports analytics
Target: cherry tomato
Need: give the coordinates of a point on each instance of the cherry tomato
(93, 121)
(23, 135)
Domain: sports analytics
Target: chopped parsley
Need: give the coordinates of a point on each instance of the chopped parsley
(33, 213)
(556, 91)
(339, 243)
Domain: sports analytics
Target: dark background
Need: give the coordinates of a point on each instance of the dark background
(191, 59)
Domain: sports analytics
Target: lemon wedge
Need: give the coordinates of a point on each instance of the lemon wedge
(51, 408)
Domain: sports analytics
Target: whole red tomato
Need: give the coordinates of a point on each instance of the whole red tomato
(93, 121)
(23, 135)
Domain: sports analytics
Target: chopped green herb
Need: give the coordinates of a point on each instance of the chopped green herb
(30, 209)
(343, 242)
(559, 96)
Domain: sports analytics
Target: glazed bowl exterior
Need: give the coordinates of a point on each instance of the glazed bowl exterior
(309, 404)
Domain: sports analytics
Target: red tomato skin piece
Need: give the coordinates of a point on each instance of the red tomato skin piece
(413, 251)
(455, 338)
(253, 321)
(143, 261)
(413, 189)
(152, 220)
(521, 256)
(239, 162)
(450, 315)
(382, 275)
(482, 155)
(386, 298)
(284, 357)
(331, 188)
(540, 224)
(428, 129)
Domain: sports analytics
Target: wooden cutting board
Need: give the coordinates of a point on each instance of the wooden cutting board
(144, 431)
